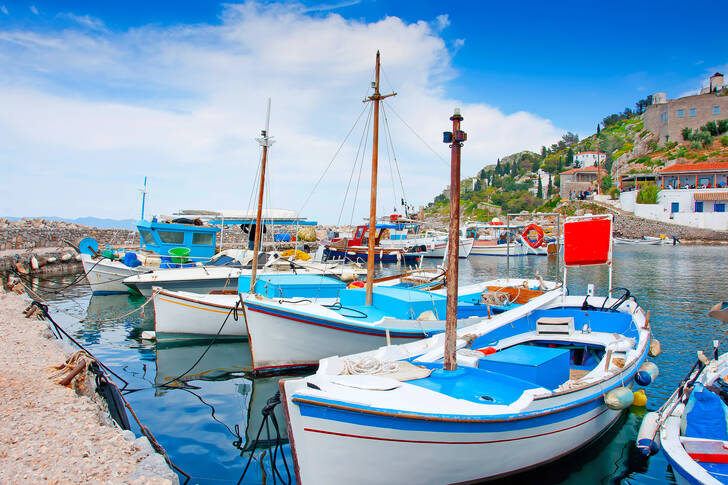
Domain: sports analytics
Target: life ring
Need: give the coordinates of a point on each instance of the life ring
(539, 239)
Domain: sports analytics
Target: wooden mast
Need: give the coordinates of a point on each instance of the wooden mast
(265, 141)
(455, 139)
(376, 97)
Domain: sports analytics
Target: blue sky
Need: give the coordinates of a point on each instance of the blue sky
(176, 90)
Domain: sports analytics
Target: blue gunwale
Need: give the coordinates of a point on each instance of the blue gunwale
(354, 409)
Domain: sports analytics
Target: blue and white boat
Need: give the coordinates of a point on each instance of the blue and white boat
(532, 384)
(692, 426)
(106, 268)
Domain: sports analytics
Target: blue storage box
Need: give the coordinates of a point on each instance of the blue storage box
(544, 366)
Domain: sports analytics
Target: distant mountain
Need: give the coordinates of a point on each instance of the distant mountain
(99, 222)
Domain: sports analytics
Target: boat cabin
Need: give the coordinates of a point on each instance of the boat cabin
(361, 235)
(160, 237)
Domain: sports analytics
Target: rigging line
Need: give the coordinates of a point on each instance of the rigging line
(361, 167)
(418, 136)
(396, 164)
(256, 179)
(388, 137)
(332, 161)
(353, 169)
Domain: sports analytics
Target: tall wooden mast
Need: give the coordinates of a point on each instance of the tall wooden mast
(376, 97)
(265, 141)
(456, 139)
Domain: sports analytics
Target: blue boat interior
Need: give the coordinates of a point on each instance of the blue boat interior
(502, 376)
(292, 286)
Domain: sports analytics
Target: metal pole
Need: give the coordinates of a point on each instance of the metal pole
(508, 246)
(144, 195)
(451, 324)
(265, 142)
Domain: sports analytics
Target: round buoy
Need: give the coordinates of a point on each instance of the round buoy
(646, 374)
(619, 398)
(88, 245)
(356, 284)
(640, 398)
(648, 437)
(149, 335)
(655, 348)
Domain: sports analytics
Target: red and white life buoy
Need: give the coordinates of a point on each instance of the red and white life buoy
(539, 239)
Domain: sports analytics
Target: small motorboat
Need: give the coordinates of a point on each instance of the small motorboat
(644, 241)
(691, 427)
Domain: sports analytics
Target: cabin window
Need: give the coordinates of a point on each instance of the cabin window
(680, 113)
(675, 207)
(692, 111)
(172, 237)
(719, 207)
(202, 238)
(716, 110)
(698, 207)
(147, 236)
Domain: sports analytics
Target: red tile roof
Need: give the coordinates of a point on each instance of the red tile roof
(600, 153)
(695, 167)
(585, 169)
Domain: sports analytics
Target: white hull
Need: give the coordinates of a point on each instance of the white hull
(500, 250)
(325, 448)
(277, 343)
(183, 315)
(435, 246)
(649, 241)
(106, 276)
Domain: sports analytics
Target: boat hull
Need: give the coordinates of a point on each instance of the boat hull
(357, 255)
(498, 250)
(279, 340)
(184, 316)
(106, 276)
(200, 285)
(326, 439)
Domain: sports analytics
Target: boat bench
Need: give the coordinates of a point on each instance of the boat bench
(545, 366)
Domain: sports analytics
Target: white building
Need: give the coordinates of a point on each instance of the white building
(692, 195)
(589, 159)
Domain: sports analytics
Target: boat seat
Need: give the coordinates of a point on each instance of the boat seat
(555, 326)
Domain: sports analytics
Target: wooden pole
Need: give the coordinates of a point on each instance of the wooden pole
(376, 97)
(265, 142)
(450, 359)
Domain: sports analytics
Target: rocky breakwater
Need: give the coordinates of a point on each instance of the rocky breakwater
(58, 430)
(40, 245)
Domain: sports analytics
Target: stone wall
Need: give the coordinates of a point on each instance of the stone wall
(39, 233)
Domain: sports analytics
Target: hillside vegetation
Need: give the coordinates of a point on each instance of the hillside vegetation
(513, 184)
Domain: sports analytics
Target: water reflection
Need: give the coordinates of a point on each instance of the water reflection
(212, 415)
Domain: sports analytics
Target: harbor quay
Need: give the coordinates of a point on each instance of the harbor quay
(56, 430)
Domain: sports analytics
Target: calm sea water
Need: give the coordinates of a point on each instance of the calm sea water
(208, 426)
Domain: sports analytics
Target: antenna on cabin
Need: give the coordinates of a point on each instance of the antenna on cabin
(144, 195)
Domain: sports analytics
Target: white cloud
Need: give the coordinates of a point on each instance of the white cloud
(442, 22)
(87, 115)
(34, 9)
(84, 20)
(4, 9)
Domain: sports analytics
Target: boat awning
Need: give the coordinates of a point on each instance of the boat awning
(700, 196)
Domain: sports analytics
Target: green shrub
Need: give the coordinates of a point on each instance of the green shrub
(652, 145)
(614, 193)
(670, 145)
(722, 126)
(724, 140)
(687, 133)
(648, 194)
(703, 158)
(696, 145)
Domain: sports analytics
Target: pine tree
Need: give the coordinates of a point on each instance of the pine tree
(551, 189)
(539, 192)
(498, 167)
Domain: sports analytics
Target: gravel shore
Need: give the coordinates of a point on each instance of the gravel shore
(48, 433)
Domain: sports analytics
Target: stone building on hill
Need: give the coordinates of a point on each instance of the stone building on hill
(579, 179)
(666, 118)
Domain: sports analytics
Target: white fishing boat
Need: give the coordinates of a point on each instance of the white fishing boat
(207, 278)
(106, 276)
(522, 388)
(406, 235)
(183, 315)
(644, 241)
(295, 332)
(691, 427)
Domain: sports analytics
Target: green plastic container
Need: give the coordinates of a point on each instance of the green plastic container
(179, 255)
